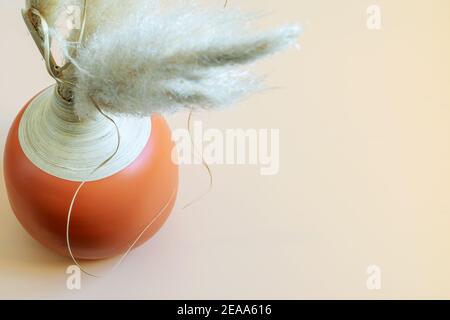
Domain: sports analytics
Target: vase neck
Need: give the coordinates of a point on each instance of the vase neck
(57, 141)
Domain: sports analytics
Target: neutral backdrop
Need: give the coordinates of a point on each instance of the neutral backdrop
(365, 170)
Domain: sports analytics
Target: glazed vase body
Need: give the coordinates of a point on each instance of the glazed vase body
(109, 214)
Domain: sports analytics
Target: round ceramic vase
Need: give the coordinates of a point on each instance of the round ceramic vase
(109, 213)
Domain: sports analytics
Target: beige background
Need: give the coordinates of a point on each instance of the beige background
(365, 175)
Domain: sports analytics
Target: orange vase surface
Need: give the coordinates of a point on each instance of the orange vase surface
(108, 214)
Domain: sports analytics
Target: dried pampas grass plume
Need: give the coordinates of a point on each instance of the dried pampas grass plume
(111, 13)
(101, 13)
(139, 58)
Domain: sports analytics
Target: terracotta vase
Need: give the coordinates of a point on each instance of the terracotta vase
(109, 214)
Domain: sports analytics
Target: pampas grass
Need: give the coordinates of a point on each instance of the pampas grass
(103, 14)
(138, 58)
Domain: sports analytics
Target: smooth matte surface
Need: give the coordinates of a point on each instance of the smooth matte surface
(364, 176)
(109, 214)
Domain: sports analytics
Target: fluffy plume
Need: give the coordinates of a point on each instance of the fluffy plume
(139, 58)
(111, 13)
(158, 62)
(101, 12)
